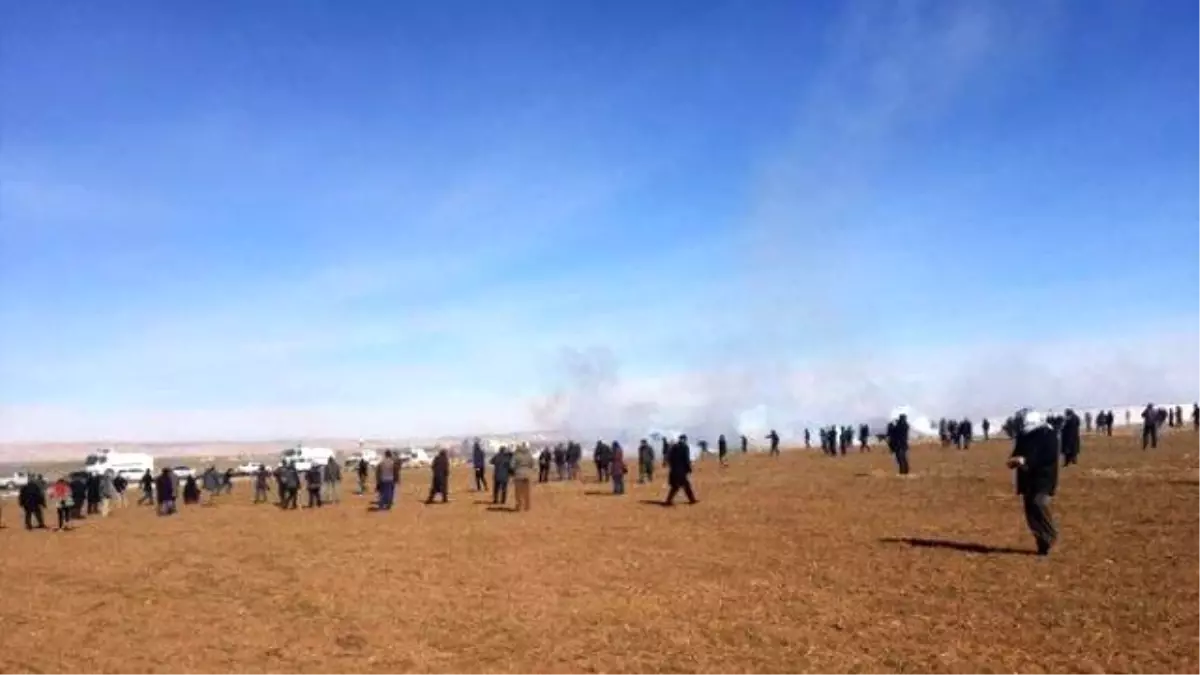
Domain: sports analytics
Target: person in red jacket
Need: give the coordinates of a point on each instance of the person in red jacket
(60, 496)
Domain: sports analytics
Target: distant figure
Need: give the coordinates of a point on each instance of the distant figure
(227, 482)
(1035, 460)
(191, 491)
(120, 484)
(501, 466)
(289, 486)
(1196, 417)
(966, 431)
(32, 500)
(1070, 438)
(544, 465)
(864, 438)
(60, 496)
(774, 438)
(666, 451)
(745, 444)
(332, 473)
(165, 487)
(147, 489)
(1087, 421)
(986, 425)
(439, 483)
(522, 476)
(479, 463)
(722, 449)
(617, 468)
(646, 462)
(364, 469)
(313, 478)
(897, 435)
(385, 481)
(1149, 426)
(560, 462)
(807, 439)
(262, 485)
(679, 470)
(601, 456)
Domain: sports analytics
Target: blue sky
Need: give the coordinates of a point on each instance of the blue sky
(257, 219)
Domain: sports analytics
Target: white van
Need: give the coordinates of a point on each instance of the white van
(414, 457)
(371, 456)
(132, 465)
(306, 458)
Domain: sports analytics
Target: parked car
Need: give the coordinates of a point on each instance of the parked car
(183, 472)
(18, 480)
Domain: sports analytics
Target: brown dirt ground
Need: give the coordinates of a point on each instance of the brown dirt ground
(784, 566)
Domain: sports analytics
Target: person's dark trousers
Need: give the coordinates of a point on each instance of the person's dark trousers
(544, 474)
(1149, 436)
(480, 479)
(902, 462)
(293, 496)
(680, 483)
(32, 515)
(500, 492)
(64, 516)
(93, 507)
(438, 488)
(314, 497)
(646, 472)
(1040, 521)
(260, 495)
(387, 495)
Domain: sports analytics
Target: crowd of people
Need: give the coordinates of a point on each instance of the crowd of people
(1039, 442)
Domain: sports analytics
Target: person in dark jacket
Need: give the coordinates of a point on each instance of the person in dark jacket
(864, 438)
(1196, 417)
(1149, 427)
(331, 475)
(191, 491)
(440, 477)
(32, 500)
(1070, 437)
(745, 444)
(262, 484)
(1035, 460)
(313, 479)
(544, 465)
(666, 452)
(164, 487)
(79, 496)
(774, 438)
(722, 449)
(363, 470)
(679, 470)
(479, 463)
(147, 489)
(94, 494)
(560, 461)
(645, 462)
(986, 426)
(289, 486)
(897, 440)
(501, 465)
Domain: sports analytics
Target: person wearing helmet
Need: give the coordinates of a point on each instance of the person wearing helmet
(1035, 460)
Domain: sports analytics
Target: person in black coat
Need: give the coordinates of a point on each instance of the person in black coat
(679, 468)
(164, 489)
(440, 478)
(32, 501)
(897, 440)
(1070, 438)
(1035, 460)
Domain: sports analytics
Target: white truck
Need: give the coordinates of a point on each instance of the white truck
(129, 464)
(372, 458)
(305, 458)
(16, 481)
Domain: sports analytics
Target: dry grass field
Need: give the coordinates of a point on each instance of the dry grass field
(800, 563)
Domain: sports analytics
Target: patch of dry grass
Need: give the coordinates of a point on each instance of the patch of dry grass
(784, 566)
